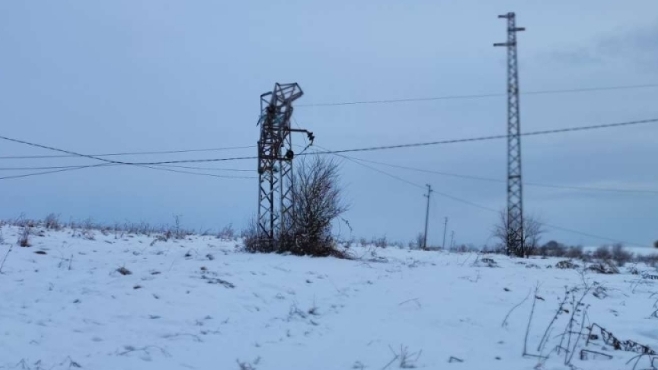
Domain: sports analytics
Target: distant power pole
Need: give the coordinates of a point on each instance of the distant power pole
(427, 214)
(445, 226)
(514, 185)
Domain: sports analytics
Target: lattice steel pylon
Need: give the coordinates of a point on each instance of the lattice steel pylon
(515, 235)
(275, 171)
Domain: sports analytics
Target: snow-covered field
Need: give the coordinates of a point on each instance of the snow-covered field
(199, 304)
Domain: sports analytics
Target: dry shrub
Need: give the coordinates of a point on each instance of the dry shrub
(250, 239)
(649, 260)
(602, 253)
(124, 271)
(226, 233)
(575, 252)
(621, 256)
(552, 249)
(418, 243)
(51, 222)
(380, 242)
(24, 237)
(318, 202)
(533, 229)
(615, 253)
(489, 262)
(566, 264)
(463, 248)
(604, 267)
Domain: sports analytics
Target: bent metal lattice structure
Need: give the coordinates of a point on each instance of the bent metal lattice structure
(275, 170)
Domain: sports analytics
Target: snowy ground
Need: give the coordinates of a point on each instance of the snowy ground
(199, 304)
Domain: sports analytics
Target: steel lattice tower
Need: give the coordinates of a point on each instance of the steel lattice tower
(515, 236)
(275, 175)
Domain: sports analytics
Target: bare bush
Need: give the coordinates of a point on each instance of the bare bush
(404, 359)
(650, 260)
(602, 253)
(318, 202)
(22, 221)
(566, 264)
(88, 224)
(588, 256)
(24, 237)
(349, 243)
(621, 256)
(179, 233)
(227, 233)
(420, 240)
(533, 229)
(250, 239)
(463, 248)
(575, 252)
(84, 228)
(52, 222)
(247, 365)
(552, 249)
(380, 242)
(124, 271)
(486, 249)
(604, 267)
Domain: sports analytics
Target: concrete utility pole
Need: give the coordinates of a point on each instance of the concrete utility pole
(427, 214)
(445, 226)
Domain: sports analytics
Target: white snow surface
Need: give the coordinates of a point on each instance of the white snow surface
(198, 303)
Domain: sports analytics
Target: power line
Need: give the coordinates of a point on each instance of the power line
(48, 172)
(108, 161)
(355, 160)
(491, 137)
(119, 162)
(479, 206)
(71, 153)
(478, 178)
(199, 173)
(366, 149)
(161, 168)
(113, 164)
(47, 167)
(338, 153)
(543, 223)
(478, 96)
(194, 161)
(130, 153)
(210, 168)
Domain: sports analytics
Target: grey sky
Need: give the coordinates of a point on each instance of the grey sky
(164, 75)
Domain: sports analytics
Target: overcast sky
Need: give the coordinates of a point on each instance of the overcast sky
(130, 75)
